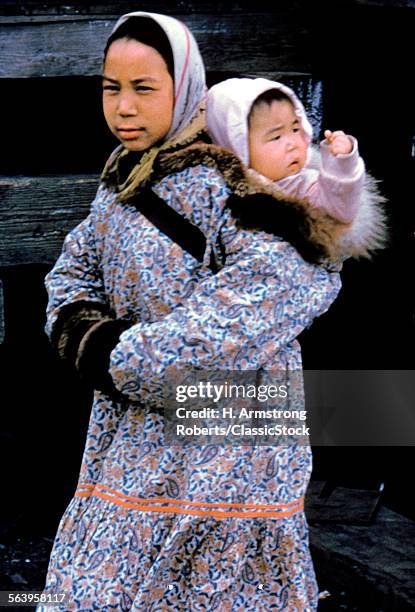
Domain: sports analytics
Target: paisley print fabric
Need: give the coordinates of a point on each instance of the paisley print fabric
(154, 526)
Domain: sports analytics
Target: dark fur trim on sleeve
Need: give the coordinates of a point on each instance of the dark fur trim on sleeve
(72, 323)
(93, 358)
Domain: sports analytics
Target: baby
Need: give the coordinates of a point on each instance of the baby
(264, 124)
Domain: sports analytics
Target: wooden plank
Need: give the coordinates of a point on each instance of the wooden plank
(36, 213)
(61, 7)
(34, 7)
(387, 3)
(278, 41)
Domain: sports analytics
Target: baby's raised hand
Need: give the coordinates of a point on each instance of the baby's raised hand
(339, 142)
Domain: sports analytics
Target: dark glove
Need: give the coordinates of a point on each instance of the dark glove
(84, 335)
(93, 357)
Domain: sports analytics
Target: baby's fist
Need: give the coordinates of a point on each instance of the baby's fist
(339, 142)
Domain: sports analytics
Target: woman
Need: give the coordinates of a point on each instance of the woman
(154, 526)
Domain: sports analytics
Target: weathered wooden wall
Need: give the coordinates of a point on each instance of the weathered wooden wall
(38, 212)
(72, 45)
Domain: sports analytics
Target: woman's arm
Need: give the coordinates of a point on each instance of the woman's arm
(76, 275)
(237, 319)
(258, 303)
(78, 304)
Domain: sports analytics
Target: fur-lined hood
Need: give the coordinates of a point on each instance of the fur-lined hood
(256, 203)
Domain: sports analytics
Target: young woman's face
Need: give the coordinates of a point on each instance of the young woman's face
(138, 94)
(277, 144)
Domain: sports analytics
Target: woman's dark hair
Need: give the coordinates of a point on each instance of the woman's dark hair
(147, 31)
(267, 98)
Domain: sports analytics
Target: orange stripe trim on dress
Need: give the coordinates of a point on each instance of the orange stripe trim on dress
(165, 500)
(117, 496)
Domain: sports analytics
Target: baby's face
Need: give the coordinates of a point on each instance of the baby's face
(277, 143)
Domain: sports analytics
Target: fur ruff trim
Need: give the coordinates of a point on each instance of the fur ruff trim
(139, 173)
(73, 321)
(318, 234)
(368, 231)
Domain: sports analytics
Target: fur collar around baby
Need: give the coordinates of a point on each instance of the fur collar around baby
(256, 203)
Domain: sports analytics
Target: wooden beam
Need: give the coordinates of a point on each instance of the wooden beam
(61, 7)
(172, 7)
(36, 213)
(72, 46)
(387, 3)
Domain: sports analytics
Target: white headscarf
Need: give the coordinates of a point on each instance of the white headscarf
(228, 107)
(189, 71)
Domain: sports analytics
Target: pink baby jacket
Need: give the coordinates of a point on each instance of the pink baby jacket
(336, 186)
